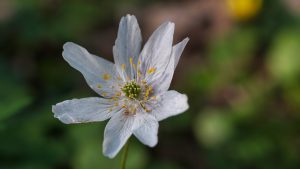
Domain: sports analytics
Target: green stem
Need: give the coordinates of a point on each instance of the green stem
(124, 155)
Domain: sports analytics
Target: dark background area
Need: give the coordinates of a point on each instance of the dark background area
(240, 71)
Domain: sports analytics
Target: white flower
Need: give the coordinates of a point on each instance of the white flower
(134, 90)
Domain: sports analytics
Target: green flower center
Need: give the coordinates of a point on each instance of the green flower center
(131, 90)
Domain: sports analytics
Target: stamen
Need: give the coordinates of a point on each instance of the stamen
(139, 73)
(153, 98)
(131, 63)
(99, 86)
(151, 70)
(118, 94)
(106, 76)
(131, 90)
(123, 66)
(145, 108)
(148, 91)
(131, 60)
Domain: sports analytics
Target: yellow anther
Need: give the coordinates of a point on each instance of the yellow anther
(116, 104)
(151, 70)
(106, 76)
(148, 91)
(114, 98)
(145, 108)
(139, 74)
(130, 60)
(110, 109)
(123, 106)
(118, 94)
(123, 66)
(134, 67)
(153, 97)
(99, 86)
(144, 82)
(104, 94)
(139, 62)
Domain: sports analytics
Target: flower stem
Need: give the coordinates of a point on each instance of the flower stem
(124, 155)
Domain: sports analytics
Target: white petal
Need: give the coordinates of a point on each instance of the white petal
(177, 50)
(92, 67)
(127, 45)
(83, 110)
(147, 132)
(171, 103)
(157, 51)
(117, 131)
(162, 83)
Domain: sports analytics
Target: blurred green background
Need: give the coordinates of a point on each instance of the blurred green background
(241, 71)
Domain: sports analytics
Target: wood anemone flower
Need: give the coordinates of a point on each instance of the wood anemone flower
(134, 90)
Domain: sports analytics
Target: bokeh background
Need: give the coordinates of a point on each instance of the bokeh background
(240, 70)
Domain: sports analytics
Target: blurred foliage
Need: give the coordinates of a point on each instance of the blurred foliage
(243, 87)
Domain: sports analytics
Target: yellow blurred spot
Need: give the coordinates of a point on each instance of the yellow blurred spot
(99, 86)
(244, 9)
(118, 94)
(151, 70)
(104, 94)
(153, 97)
(106, 76)
(131, 62)
(123, 66)
(119, 77)
(139, 74)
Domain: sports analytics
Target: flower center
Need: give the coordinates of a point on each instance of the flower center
(131, 90)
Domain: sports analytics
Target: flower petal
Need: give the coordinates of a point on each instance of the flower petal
(117, 132)
(177, 50)
(98, 72)
(162, 83)
(83, 110)
(127, 45)
(147, 132)
(171, 103)
(155, 55)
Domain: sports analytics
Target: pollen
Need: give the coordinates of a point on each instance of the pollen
(153, 97)
(151, 70)
(148, 92)
(139, 73)
(123, 66)
(131, 63)
(106, 76)
(131, 60)
(131, 90)
(118, 94)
